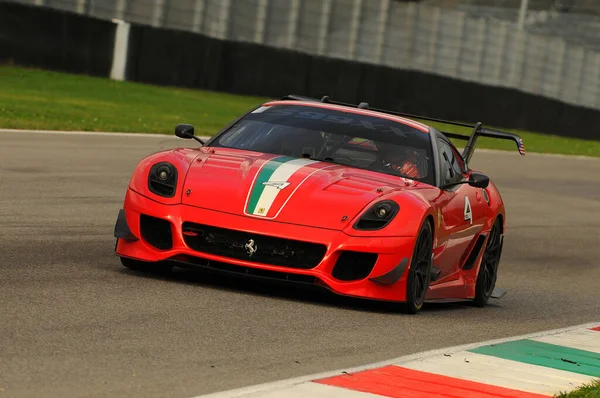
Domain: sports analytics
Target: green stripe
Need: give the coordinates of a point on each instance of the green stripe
(544, 354)
(265, 173)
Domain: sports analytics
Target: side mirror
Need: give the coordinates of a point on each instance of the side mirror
(185, 131)
(478, 180)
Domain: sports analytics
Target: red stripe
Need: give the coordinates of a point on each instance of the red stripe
(597, 329)
(394, 381)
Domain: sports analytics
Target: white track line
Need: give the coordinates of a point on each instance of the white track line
(204, 138)
(312, 390)
(59, 132)
(94, 133)
(279, 385)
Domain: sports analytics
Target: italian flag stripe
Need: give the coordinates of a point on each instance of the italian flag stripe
(263, 176)
(277, 171)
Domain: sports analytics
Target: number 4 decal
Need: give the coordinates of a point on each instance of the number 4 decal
(468, 211)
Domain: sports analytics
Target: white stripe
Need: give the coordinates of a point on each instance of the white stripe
(281, 174)
(500, 372)
(311, 390)
(588, 340)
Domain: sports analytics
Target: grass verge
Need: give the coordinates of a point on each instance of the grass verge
(35, 99)
(591, 390)
(44, 100)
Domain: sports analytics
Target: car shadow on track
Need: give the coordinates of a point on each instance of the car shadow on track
(288, 291)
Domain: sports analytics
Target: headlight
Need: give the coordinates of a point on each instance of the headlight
(163, 173)
(383, 210)
(162, 179)
(377, 216)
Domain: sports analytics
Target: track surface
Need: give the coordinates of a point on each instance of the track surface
(74, 323)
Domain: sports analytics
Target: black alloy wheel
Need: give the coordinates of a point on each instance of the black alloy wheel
(488, 270)
(419, 274)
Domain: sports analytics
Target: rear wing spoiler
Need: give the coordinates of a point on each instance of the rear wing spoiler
(478, 129)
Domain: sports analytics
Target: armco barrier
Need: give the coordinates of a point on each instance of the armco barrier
(337, 78)
(170, 57)
(46, 38)
(259, 70)
(453, 99)
(42, 37)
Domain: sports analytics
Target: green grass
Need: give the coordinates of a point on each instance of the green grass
(591, 390)
(34, 99)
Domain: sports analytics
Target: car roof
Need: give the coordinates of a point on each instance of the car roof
(408, 122)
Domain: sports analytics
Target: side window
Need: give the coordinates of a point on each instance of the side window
(450, 164)
(460, 164)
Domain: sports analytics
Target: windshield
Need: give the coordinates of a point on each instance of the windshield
(347, 138)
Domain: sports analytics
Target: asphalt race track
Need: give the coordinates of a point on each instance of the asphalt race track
(75, 323)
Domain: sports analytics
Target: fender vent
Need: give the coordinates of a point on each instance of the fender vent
(470, 263)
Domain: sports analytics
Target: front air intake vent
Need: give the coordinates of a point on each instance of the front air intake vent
(156, 232)
(353, 266)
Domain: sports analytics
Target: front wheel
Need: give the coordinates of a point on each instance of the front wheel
(488, 270)
(419, 274)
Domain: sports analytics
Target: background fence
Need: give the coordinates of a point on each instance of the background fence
(556, 55)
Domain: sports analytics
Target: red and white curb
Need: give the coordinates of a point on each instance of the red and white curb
(535, 365)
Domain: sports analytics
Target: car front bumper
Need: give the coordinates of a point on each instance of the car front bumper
(386, 280)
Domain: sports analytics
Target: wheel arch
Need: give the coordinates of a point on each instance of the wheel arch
(500, 217)
(431, 221)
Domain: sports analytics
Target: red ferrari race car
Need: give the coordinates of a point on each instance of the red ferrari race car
(365, 202)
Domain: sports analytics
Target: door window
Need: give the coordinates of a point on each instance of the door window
(451, 166)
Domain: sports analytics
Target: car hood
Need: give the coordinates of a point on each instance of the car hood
(283, 189)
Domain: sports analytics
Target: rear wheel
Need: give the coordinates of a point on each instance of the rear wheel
(488, 270)
(419, 274)
(144, 266)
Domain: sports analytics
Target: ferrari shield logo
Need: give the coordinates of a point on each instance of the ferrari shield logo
(251, 247)
(261, 210)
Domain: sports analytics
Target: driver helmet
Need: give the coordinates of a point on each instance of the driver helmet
(402, 160)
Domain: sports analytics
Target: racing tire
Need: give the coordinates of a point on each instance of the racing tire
(148, 267)
(488, 270)
(419, 274)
